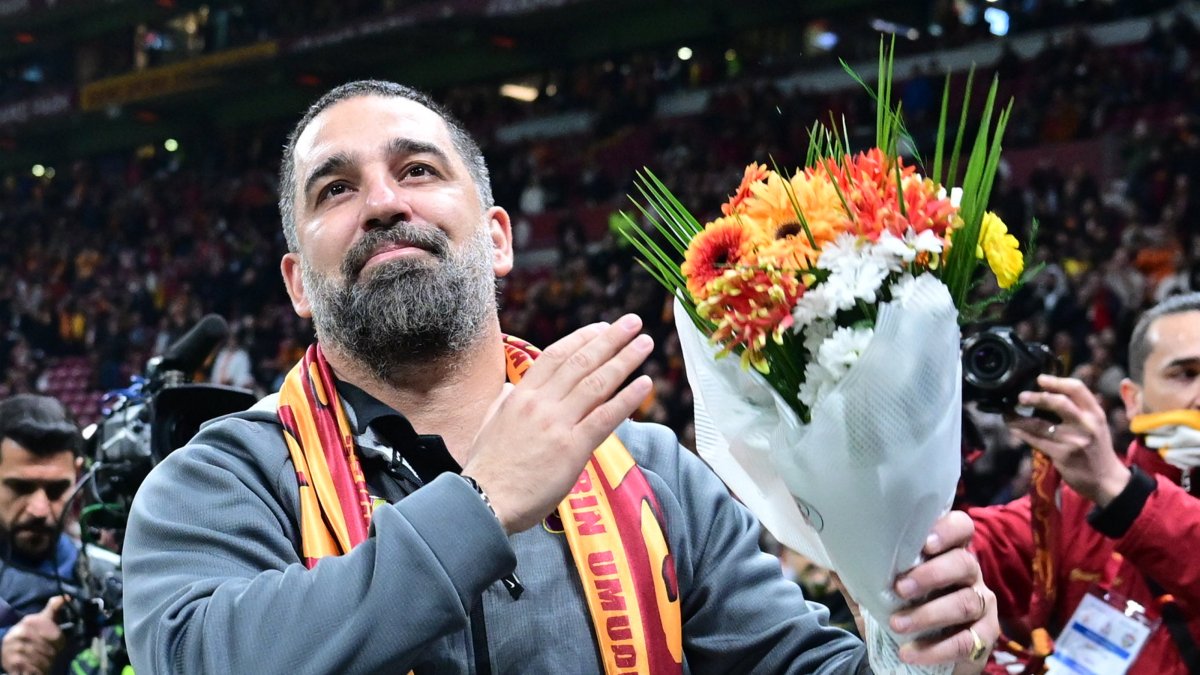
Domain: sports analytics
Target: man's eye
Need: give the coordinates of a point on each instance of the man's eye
(332, 190)
(55, 492)
(21, 488)
(420, 171)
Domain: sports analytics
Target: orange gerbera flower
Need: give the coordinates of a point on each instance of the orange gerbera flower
(754, 173)
(722, 244)
(750, 305)
(772, 212)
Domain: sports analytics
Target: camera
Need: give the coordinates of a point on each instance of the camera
(158, 413)
(998, 365)
(141, 424)
(93, 607)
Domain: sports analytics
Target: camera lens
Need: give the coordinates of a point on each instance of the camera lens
(997, 366)
(989, 361)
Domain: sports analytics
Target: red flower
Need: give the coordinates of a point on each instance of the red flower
(751, 305)
(721, 245)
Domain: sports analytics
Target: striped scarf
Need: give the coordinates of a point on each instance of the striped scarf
(611, 518)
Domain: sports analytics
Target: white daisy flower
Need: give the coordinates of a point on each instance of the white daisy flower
(817, 381)
(902, 288)
(843, 348)
(814, 305)
(842, 253)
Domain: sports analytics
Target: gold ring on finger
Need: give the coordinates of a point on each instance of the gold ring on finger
(978, 646)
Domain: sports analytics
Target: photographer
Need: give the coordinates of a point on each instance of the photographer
(39, 462)
(1112, 529)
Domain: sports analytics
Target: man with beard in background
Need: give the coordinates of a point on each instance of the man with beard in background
(393, 507)
(39, 446)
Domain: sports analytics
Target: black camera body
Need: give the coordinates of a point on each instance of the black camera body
(142, 430)
(157, 414)
(93, 606)
(142, 424)
(998, 366)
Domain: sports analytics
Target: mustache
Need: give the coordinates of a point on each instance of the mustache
(430, 239)
(35, 527)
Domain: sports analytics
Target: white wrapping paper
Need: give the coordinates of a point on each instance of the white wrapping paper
(859, 488)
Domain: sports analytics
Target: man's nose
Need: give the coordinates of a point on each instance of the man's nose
(39, 505)
(386, 203)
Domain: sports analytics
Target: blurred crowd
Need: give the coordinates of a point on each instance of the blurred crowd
(110, 261)
(191, 31)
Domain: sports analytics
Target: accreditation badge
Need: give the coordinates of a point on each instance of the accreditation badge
(1103, 637)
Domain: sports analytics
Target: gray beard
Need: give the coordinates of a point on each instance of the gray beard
(406, 312)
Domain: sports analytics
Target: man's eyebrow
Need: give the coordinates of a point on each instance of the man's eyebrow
(409, 146)
(17, 480)
(397, 146)
(332, 164)
(1182, 362)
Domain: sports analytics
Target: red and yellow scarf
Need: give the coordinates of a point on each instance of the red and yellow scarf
(611, 518)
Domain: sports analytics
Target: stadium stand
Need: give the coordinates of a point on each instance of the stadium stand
(108, 259)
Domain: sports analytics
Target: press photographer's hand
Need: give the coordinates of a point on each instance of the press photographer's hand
(1079, 444)
(31, 646)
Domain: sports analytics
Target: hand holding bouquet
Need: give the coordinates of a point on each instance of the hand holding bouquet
(840, 287)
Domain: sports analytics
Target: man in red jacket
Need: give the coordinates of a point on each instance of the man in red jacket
(1131, 527)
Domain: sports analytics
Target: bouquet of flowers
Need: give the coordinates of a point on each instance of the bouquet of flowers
(840, 287)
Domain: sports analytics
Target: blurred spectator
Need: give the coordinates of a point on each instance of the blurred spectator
(231, 365)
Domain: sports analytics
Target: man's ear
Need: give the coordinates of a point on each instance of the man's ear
(500, 229)
(294, 281)
(1131, 396)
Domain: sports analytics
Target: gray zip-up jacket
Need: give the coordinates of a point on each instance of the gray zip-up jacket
(214, 580)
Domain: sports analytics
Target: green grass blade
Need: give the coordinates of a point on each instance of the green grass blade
(816, 144)
(952, 172)
(888, 140)
(841, 196)
(940, 148)
(662, 227)
(684, 217)
(880, 101)
(653, 253)
(787, 187)
(980, 172)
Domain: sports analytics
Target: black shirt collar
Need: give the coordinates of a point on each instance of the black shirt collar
(366, 407)
(426, 454)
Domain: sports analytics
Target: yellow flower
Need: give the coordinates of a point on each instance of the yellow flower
(1001, 249)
